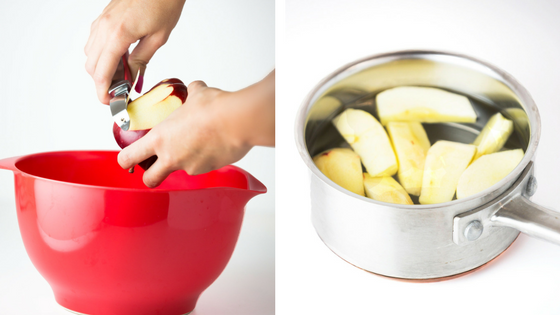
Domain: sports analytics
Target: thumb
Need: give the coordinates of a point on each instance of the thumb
(141, 55)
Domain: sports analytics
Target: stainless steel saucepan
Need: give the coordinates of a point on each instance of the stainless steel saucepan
(424, 241)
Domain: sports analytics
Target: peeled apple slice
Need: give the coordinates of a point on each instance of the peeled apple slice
(369, 140)
(493, 136)
(411, 145)
(445, 162)
(386, 189)
(153, 107)
(519, 116)
(423, 104)
(343, 167)
(486, 171)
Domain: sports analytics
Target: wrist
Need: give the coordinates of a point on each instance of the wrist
(237, 119)
(254, 113)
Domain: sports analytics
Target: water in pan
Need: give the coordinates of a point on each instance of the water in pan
(321, 135)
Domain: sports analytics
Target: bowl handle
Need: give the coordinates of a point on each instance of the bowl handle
(512, 209)
(9, 164)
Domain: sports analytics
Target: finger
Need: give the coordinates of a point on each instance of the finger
(203, 168)
(91, 38)
(141, 55)
(90, 41)
(106, 67)
(95, 49)
(157, 173)
(194, 86)
(136, 152)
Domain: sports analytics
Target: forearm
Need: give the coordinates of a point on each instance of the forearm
(251, 113)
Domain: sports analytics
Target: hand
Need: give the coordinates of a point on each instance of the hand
(122, 23)
(212, 129)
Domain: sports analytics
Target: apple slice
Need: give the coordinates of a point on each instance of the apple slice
(369, 140)
(343, 167)
(386, 189)
(445, 162)
(519, 116)
(423, 104)
(493, 136)
(486, 171)
(411, 145)
(149, 110)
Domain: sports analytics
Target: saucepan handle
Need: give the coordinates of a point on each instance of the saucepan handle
(512, 209)
(9, 163)
(530, 218)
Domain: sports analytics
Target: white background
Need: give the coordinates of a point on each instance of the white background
(48, 103)
(521, 37)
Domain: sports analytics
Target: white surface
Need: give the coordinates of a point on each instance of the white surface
(48, 103)
(521, 37)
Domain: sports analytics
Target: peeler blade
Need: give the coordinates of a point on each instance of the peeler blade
(120, 92)
(120, 115)
(118, 104)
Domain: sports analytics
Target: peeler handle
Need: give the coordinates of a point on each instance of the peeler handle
(127, 72)
(122, 73)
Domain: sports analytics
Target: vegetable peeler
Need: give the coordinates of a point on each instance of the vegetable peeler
(120, 92)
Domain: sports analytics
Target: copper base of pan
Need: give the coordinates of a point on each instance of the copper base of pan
(433, 279)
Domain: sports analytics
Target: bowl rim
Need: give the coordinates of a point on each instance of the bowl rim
(253, 184)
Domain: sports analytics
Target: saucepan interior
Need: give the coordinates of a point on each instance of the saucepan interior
(489, 89)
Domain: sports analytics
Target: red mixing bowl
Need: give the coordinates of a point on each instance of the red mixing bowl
(107, 244)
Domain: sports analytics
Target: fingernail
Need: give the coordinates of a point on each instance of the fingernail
(139, 84)
(120, 157)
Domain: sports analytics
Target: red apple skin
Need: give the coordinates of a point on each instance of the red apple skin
(148, 162)
(125, 138)
(170, 81)
(179, 88)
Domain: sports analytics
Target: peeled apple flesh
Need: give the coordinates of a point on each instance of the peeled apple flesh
(445, 162)
(423, 104)
(342, 166)
(493, 136)
(386, 189)
(411, 145)
(487, 171)
(369, 140)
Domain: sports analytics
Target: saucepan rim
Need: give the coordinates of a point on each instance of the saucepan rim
(488, 69)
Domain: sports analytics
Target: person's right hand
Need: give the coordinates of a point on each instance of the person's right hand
(122, 23)
(212, 129)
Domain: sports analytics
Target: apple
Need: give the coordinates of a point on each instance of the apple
(493, 136)
(342, 166)
(149, 110)
(423, 104)
(519, 116)
(411, 145)
(487, 170)
(386, 189)
(369, 140)
(445, 162)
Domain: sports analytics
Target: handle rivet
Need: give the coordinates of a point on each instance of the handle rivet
(531, 188)
(474, 230)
